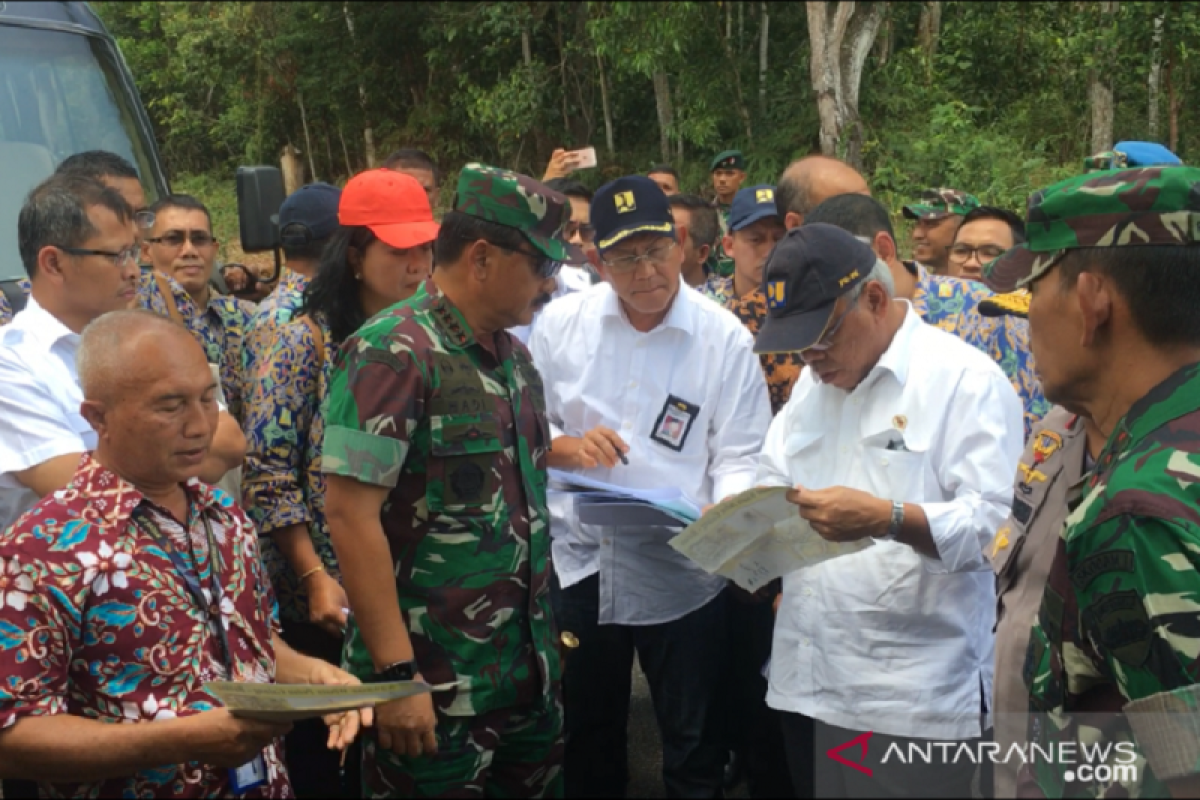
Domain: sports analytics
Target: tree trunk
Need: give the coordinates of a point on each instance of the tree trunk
(308, 148)
(607, 106)
(1100, 92)
(841, 36)
(929, 29)
(740, 99)
(741, 25)
(345, 150)
(1154, 80)
(883, 47)
(329, 153)
(368, 130)
(292, 168)
(1173, 103)
(526, 51)
(763, 42)
(662, 103)
(728, 22)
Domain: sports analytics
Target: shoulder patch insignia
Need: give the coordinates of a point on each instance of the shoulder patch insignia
(1088, 569)
(1120, 623)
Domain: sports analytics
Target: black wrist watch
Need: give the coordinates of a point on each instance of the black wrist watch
(400, 671)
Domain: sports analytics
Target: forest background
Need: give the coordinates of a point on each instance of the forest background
(995, 98)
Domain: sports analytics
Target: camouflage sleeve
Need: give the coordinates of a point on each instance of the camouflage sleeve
(1134, 579)
(376, 399)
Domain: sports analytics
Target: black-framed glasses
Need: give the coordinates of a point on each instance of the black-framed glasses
(178, 238)
(626, 264)
(119, 259)
(826, 340)
(984, 252)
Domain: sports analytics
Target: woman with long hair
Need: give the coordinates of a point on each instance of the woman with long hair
(379, 256)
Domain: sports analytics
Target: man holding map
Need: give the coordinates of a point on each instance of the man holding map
(901, 434)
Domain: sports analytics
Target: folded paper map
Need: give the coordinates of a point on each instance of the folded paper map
(755, 537)
(284, 702)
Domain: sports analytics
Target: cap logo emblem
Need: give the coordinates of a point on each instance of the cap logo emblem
(624, 202)
(764, 196)
(843, 281)
(775, 294)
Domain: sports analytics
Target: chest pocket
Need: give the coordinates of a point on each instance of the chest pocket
(463, 475)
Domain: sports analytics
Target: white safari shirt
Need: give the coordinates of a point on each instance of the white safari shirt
(39, 403)
(886, 639)
(690, 401)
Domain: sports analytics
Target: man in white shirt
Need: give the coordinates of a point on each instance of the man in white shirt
(900, 432)
(78, 244)
(648, 384)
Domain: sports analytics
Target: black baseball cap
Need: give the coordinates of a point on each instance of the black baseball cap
(309, 214)
(628, 206)
(810, 268)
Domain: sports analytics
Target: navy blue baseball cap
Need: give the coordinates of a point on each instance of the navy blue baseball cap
(811, 267)
(628, 206)
(750, 205)
(309, 214)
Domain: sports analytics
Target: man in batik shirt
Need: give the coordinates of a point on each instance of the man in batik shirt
(181, 246)
(125, 593)
(435, 462)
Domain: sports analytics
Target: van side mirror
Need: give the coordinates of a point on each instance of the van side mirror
(260, 193)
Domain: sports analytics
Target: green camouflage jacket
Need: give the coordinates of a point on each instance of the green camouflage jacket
(458, 432)
(1118, 624)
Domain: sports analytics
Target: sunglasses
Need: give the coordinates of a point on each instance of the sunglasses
(178, 238)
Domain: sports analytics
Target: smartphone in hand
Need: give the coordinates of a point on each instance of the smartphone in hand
(584, 158)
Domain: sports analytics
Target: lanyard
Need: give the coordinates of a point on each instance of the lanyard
(190, 575)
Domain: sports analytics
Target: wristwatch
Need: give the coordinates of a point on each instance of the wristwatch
(896, 524)
(400, 671)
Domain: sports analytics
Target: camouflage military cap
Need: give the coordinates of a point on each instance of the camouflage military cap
(1117, 208)
(941, 203)
(518, 201)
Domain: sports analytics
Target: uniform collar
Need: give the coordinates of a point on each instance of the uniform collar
(896, 358)
(681, 315)
(1176, 396)
(114, 499)
(44, 326)
(450, 322)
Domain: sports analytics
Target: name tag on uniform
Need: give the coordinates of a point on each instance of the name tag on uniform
(674, 423)
(249, 776)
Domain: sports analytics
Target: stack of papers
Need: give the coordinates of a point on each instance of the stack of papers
(287, 702)
(600, 503)
(757, 536)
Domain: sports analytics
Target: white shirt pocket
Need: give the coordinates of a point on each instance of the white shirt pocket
(894, 466)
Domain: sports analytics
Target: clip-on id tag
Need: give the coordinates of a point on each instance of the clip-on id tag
(250, 775)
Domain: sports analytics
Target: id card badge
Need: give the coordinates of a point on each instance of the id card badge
(249, 776)
(674, 423)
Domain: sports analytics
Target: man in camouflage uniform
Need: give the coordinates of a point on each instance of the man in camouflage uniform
(435, 452)
(937, 214)
(728, 172)
(1112, 262)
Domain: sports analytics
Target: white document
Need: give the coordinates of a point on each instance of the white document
(755, 537)
(669, 503)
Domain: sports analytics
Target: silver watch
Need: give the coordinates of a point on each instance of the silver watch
(896, 524)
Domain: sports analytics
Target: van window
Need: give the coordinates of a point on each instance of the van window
(60, 94)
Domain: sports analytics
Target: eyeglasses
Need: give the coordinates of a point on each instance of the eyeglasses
(543, 267)
(177, 238)
(119, 259)
(986, 252)
(627, 264)
(826, 341)
(586, 232)
(144, 220)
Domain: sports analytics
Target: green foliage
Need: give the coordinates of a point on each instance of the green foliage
(999, 109)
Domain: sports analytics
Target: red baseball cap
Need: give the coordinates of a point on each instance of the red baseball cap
(393, 205)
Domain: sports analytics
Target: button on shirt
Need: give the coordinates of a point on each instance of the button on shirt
(39, 403)
(886, 639)
(599, 370)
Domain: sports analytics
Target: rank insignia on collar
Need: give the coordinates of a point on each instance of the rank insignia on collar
(1000, 541)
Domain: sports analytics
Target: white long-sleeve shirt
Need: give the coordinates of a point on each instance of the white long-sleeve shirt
(690, 401)
(886, 639)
